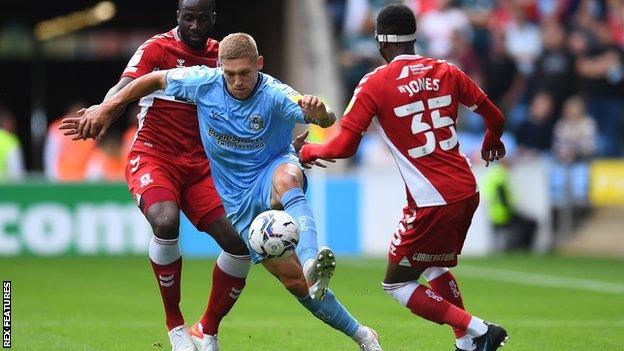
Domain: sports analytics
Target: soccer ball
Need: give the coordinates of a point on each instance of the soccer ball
(273, 234)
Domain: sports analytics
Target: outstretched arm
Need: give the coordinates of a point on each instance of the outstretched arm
(112, 91)
(136, 89)
(117, 87)
(470, 94)
(95, 121)
(343, 145)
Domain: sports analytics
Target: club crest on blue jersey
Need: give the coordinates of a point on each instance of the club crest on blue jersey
(256, 122)
(215, 114)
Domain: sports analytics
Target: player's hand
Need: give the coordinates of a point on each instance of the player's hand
(492, 149)
(79, 125)
(307, 160)
(92, 122)
(315, 111)
(300, 140)
(317, 163)
(73, 124)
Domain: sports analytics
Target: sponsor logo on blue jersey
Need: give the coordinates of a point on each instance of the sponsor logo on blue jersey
(235, 142)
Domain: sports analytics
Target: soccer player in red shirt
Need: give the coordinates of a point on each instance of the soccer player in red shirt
(414, 100)
(168, 171)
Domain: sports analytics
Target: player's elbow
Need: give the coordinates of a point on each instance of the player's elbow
(494, 119)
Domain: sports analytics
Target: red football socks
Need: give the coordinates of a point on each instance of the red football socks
(168, 278)
(426, 303)
(446, 286)
(225, 291)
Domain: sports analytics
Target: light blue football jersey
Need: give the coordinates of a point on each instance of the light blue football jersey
(242, 138)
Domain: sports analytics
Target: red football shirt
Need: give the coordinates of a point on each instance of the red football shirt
(414, 100)
(166, 126)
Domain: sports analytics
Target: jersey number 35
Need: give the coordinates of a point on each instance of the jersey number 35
(419, 126)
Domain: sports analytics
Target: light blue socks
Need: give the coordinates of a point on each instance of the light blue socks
(332, 312)
(298, 207)
(329, 310)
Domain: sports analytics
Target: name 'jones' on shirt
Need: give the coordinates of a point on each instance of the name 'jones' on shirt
(418, 84)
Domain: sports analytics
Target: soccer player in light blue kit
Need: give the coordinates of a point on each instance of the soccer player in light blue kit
(246, 121)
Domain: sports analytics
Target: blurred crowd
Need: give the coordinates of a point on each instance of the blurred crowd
(66, 160)
(555, 68)
(11, 156)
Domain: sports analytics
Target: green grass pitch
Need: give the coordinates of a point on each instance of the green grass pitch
(546, 303)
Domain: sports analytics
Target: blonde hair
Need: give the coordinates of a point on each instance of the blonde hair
(238, 45)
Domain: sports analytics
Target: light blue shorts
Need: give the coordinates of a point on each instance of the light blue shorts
(243, 209)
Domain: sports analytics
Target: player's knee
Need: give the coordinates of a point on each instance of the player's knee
(165, 221)
(166, 227)
(287, 179)
(432, 273)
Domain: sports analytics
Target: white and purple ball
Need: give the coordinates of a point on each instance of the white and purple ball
(273, 234)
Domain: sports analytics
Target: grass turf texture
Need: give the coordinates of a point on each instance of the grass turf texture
(113, 304)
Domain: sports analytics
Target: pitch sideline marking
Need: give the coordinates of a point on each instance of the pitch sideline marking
(523, 278)
(537, 279)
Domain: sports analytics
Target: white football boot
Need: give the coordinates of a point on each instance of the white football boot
(203, 342)
(319, 271)
(371, 342)
(180, 339)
